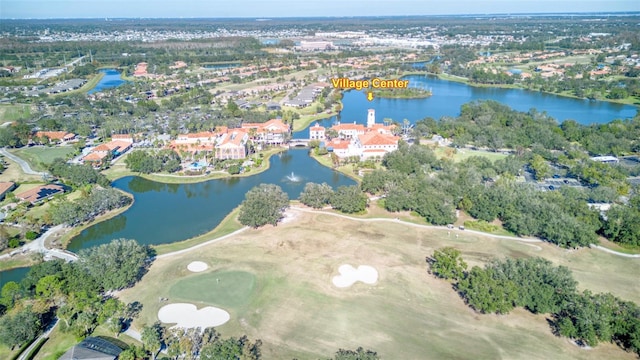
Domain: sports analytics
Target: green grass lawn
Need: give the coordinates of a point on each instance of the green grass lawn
(41, 156)
(14, 112)
(297, 312)
(458, 155)
(57, 345)
(220, 288)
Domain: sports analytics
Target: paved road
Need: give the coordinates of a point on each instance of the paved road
(37, 245)
(26, 352)
(602, 248)
(23, 164)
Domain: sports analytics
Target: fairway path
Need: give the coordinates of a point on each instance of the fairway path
(212, 241)
(529, 241)
(505, 237)
(23, 164)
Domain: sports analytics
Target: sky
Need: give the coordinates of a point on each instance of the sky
(45, 9)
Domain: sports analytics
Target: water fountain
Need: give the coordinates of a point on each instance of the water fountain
(293, 177)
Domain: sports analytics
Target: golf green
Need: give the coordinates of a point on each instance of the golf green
(222, 288)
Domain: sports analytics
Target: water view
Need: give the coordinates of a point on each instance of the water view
(221, 66)
(16, 275)
(112, 78)
(449, 96)
(165, 213)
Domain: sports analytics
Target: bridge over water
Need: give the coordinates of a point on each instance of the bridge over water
(299, 142)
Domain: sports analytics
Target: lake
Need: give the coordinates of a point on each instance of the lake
(16, 275)
(165, 213)
(221, 66)
(449, 96)
(112, 78)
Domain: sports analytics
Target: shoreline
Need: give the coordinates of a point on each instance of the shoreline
(464, 80)
(194, 179)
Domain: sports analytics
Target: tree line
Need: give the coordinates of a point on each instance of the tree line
(76, 293)
(542, 288)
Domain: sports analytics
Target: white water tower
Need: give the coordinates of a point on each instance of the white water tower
(371, 118)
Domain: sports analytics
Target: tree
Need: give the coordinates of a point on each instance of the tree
(10, 293)
(358, 354)
(486, 294)
(446, 263)
(117, 264)
(232, 349)
(263, 204)
(18, 328)
(152, 338)
(540, 167)
(315, 195)
(349, 199)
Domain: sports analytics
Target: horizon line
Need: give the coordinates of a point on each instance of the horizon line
(586, 13)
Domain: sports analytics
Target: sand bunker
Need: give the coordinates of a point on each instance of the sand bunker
(188, 316)
(197, 266)
(349, 275)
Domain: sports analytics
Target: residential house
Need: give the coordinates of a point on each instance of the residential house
(55, 136)
(40, 193)
(5, 187)
(92, 348)
(114, 148)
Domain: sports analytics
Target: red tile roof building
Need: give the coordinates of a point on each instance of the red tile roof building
(40, 193)
(55, 135)
(272, 132)
(224, 143)
(5, 187)
(365, 142)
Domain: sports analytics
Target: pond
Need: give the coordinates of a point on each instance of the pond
(112, 78)
(165, 213)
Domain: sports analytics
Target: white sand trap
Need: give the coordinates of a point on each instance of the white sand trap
(349, 275)
(188, 316)
(197, 266)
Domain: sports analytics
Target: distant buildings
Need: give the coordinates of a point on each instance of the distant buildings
(606, 159)
(116, 147)
(54, 136)
(272, 132)
(228, 143)
(224, 143)
(364, 142)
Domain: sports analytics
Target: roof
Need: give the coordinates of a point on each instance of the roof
(317, 127)
(92, 348)
(273, 125)
(605, 158)
(374, 138)
(356, 127)
(233, 138)
(56, 135)
(6, 186)
(40, 193)
(338, 144)
(123, 137)
(94, 156)
(112, 145)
